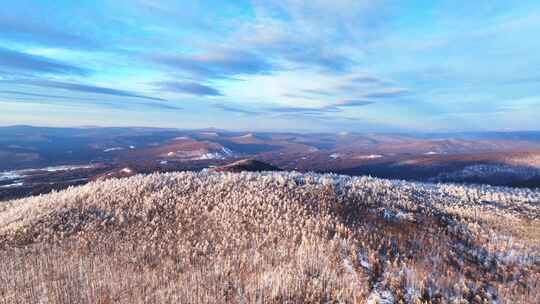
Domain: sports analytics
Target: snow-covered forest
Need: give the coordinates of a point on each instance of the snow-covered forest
(271, 238)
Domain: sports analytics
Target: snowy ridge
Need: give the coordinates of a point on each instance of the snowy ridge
(299, 237)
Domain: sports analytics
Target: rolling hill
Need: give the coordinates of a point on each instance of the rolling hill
(271, 237)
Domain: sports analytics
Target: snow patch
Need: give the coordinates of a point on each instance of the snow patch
(210, 155)
(227, 151)
(213, 134)
(113, 149)
(18, 184)
(381, 297)
(61, 168)
(18, 174)
(9, 175)
(249, 135)
(371, 156)
(126, 170)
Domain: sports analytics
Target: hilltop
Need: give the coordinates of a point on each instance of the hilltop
(271, 237)
(249, 165)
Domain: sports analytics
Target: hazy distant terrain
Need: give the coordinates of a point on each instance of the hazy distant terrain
(271, 238)
(31, 158)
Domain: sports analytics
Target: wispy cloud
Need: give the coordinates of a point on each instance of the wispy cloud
(162, 106)
(38, 95)
(304, 110)
(354, 103)
(387, 93)
(75, 87)
(310, 57)
(366, 79)
(18, 27)
(78, 102)
(312, 35)
(215, 65)
(186, 87)
(280, 110)
(15, 61)
(318, 92)
(318, 59)
(233, 109)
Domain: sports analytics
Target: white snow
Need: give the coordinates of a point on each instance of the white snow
(18, 184)
(381, 297)
(364, 263)
(371, 156)
(18, 174)
(202, 154)
(227, 151)
(214, 134)
(61, 168)
(9, 175)
(334, 155)
(210, 155)
(249, 135)
(126, 170)
(113, 149)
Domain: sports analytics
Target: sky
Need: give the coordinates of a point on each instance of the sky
(283, 65)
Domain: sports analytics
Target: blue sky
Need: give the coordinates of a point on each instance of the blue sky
(340, 65)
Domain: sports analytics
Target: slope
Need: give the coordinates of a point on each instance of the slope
(271, 238)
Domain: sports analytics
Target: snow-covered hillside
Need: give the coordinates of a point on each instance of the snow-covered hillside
(271, 237)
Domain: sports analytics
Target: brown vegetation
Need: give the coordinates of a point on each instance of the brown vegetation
(271, 238)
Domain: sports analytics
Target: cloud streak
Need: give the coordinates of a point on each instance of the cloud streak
(11, 60)
(21, 29)
(389, 93)
(354, 103)
(218, 64)
(37, 95)
(232, 109)
(75, 87)
(305, 110)
(191, 88)
(86, 102)
(366, 79)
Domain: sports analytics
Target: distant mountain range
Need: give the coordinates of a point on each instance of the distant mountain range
(497, 158)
